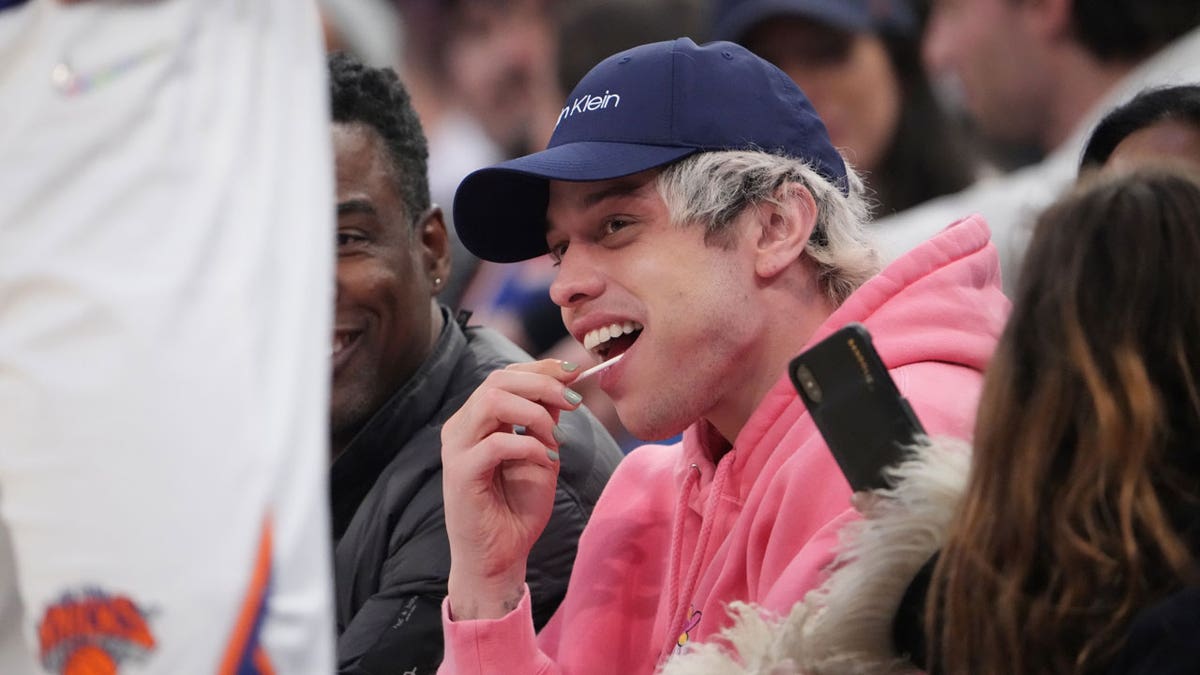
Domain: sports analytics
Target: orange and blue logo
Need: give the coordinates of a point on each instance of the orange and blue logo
(91, 632)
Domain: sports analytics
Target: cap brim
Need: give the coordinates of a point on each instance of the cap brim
(500, 211)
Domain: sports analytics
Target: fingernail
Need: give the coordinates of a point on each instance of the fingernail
(559, 434)
(570, 367)
(573, 397)
(519, 429)
(552, 455)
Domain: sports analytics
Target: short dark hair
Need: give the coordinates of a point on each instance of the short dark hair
(376, 97)
(1131, 29)
(1149, 107)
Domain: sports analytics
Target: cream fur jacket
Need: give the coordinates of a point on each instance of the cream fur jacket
(844, 627)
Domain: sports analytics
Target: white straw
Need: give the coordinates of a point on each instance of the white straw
(597, 368)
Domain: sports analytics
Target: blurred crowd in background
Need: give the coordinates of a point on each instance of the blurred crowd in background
(931, 97)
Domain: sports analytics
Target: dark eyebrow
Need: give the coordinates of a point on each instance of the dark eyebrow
(623, 189)
(356, 206)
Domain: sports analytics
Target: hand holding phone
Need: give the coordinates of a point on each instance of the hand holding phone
(856, 406)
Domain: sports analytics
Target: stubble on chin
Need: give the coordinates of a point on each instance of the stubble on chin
(656, 420)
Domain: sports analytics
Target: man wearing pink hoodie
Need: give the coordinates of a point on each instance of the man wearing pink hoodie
(706, 232)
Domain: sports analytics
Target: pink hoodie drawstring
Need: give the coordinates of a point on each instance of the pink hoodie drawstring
(680, 600)
(689, 484)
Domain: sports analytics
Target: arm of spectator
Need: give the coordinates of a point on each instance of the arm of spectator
(485, 646)
(548, 574)
(499, 493)
(399, 629)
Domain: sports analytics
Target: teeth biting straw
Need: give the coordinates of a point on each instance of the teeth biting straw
(597, 368)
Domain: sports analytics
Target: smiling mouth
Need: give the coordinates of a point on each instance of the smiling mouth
(616, 338)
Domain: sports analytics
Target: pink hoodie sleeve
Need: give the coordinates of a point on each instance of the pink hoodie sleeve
(487, 646)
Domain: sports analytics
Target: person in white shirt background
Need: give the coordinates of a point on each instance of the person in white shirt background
(1041, 73)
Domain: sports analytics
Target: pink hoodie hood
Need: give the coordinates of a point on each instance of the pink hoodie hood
(939, 303)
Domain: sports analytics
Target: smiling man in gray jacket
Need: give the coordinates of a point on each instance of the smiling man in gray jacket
(401, 366)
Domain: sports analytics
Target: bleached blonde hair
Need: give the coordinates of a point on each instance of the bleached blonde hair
(713, 188)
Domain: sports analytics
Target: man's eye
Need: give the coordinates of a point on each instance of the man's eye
(557, 251)
(349, 239)
(613, 225)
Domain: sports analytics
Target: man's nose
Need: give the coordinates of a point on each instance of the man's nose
(579, 278)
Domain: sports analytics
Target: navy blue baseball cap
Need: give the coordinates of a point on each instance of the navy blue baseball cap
(639, 109)
(732, 19)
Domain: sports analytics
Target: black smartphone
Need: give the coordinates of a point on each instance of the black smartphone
(865, 421)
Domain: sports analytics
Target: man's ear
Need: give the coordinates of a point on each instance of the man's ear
(435, 247)
(784, 229)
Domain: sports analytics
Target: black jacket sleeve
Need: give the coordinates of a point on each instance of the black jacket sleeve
(398, 630)
(400, 635)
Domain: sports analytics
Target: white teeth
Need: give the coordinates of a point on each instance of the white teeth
(603, 334)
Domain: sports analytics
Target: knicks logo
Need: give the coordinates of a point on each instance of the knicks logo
(92, 633)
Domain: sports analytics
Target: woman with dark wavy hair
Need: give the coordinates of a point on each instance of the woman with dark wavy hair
(1081, 516)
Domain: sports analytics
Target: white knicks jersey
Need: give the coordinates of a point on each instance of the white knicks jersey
(166, 287)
